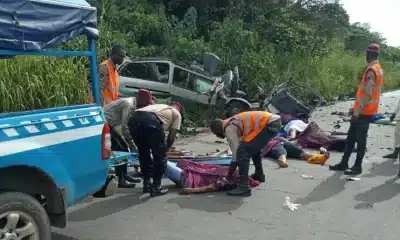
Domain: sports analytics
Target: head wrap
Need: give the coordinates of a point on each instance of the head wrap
(374, 47)
(144, 98)
(178, 106)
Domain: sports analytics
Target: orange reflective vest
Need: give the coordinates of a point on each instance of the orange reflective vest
(110, 92)
(252, 123)
(372, 106)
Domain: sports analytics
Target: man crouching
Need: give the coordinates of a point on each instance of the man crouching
(247, 133)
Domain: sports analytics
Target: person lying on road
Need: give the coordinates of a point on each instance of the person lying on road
(280, 149)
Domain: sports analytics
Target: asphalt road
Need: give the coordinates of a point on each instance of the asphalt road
(331, 206)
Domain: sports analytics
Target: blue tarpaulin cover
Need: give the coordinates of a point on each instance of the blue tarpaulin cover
(41, 24)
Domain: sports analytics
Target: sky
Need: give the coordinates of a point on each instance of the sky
(382, 16)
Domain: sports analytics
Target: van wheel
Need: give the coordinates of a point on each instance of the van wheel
(235, 108)
(22, 217)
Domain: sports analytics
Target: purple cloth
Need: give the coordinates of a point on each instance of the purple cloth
(315, 137)
(196, 175)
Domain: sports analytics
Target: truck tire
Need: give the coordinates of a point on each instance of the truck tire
(234, 108)
(23, 217)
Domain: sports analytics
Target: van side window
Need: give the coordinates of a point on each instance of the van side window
(156, 72)
(181, 79)
(202, 85)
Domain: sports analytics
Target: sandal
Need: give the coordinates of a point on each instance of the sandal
(282, 164)
(318, 159)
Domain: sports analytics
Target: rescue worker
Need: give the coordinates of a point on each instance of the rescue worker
(108, 76)
(147, 126)
(395, 116)
(117, 113)
(365, 107)
(109, 84)
(247, 133)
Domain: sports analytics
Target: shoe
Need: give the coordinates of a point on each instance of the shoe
(355, 170)
(125, 184)
(240, 191)
(243, 189)
(393, 155)
(158, 191)
(258, 177)
(339, 167)
(318, 159)
(132, 179)
(146, 186)
(282, 164)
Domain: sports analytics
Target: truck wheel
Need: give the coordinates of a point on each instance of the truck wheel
(22, 217)
(235, 108)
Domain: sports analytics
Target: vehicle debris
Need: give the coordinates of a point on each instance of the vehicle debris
(353, 179)
(290, 205)
(307, 176)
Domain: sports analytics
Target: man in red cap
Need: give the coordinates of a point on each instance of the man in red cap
(117, 113)
(365, 107)
(147, 126)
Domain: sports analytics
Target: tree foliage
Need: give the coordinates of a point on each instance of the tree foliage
(270, 40)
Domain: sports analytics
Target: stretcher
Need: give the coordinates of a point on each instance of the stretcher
(120, 158)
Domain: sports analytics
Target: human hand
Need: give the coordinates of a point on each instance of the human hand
(355, 116)
(392, 117)
(132, 146)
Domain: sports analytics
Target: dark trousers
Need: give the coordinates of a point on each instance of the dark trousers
(119, 144)
(252, 149)
(357, 133)
(148, 134)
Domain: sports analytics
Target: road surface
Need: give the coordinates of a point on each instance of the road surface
(331, 207)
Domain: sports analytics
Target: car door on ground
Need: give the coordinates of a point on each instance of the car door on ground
(153, 76)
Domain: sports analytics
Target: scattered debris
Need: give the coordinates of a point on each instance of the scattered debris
(353, 179)
(290, 205)
(220, 153)
(339, 113)
(337, 133)
(198, 130)
(337, 125)
(307, 176)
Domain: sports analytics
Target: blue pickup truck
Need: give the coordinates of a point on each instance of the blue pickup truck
(49, 158)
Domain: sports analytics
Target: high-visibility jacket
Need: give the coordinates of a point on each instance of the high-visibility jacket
(252, 123)
(372, 106)
(110, 92)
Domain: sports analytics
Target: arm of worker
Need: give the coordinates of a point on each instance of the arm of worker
(173, 130)
(233, 137)
(126, 111)
(103, 76)
(369, 85)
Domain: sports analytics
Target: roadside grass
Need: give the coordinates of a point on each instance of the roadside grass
(32, 82)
